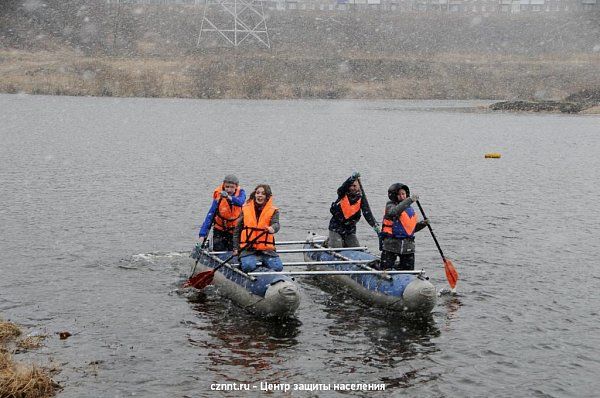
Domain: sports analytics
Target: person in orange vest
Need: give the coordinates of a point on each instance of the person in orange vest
(226, 208)
(254, 235)
(345, 213)
(400, 222)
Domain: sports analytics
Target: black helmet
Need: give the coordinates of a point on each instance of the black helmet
(394, 188)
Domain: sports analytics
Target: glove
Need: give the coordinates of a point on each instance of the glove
(377, 229)
(224, 194)
(414, 198)
(426, 221)
(355, 175)
(198, 248)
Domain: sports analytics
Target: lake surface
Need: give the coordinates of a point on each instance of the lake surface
(102, 199)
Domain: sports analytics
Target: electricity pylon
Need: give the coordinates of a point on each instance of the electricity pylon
(235, 21)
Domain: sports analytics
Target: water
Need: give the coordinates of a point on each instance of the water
(102, 197)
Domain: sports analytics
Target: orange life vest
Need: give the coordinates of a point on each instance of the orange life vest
(253, 227)
(349, 210)
(403, 226)
(226, 213)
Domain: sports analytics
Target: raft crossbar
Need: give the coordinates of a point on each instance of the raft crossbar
(333, 262)
(365, 272)
(325, 249)
(363, 266)
(299, 242)
(234, 269)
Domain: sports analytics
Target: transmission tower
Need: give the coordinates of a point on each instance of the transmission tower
(235, 21)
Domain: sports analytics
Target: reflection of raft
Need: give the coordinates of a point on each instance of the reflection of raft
(265, 295)
(400, 292)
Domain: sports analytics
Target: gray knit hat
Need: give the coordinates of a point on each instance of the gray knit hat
(231, 179)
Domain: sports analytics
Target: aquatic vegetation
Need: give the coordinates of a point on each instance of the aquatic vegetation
(18, 380)
(30, 342)
(8, 331)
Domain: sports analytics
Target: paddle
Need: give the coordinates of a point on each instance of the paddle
(203, 244)
(204, 278)
(364, 196)
(363, 193)
(451, 273)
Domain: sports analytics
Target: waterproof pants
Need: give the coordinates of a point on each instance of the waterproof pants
(253, 261)
(337, 240)
(388, 261)
(222, 241)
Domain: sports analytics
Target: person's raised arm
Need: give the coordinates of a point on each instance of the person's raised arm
(393, 211)
(240, 199)
(343, 190)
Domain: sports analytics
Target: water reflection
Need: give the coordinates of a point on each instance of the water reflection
(379, 339)
(231, 337)
(452, 302)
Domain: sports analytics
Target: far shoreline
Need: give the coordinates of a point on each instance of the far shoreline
(420, 104)
(262, 77)
(384, 104)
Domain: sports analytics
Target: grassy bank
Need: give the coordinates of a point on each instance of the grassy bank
(84, 47)
(263, 75)
(16, 379)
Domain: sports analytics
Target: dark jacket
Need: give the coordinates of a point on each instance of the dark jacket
(400, 246)
(338, 223)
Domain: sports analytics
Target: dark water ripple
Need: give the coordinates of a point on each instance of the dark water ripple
(101, 200)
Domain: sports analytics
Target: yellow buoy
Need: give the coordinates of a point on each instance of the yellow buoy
(493, 155)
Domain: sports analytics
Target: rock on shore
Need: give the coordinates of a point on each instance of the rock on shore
(583, 100)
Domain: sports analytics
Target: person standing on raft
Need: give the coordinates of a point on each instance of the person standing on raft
(400, 222)
(225, 210)
(346, 211)
(254, 235)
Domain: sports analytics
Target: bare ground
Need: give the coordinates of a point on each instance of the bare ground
(260, 75)
(84, 47)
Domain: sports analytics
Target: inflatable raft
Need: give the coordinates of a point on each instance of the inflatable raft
(407, 292)
(265, 295)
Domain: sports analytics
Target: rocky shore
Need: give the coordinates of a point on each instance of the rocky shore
(584, 101)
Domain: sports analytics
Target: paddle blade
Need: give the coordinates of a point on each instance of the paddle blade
(200, 280)
(451, 273)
